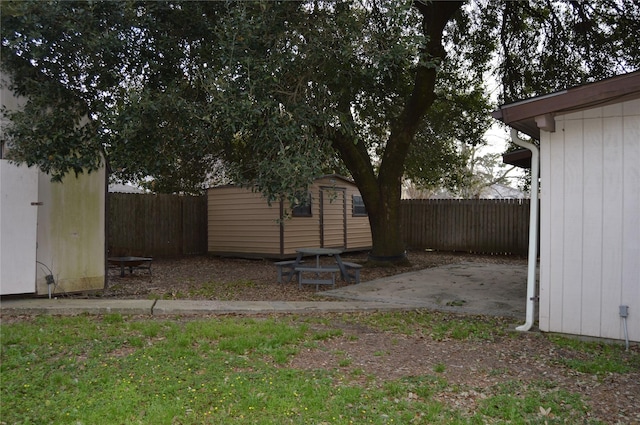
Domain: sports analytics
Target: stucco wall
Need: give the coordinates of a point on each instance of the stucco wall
(590, 222)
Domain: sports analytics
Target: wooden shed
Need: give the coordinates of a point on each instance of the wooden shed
(242, 223)
(589, 205)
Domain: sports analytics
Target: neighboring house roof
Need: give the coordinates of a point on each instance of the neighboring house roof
(501, 191)
(124, 188)
(531, 115)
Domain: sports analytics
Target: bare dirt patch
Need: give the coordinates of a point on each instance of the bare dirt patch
(235, 279)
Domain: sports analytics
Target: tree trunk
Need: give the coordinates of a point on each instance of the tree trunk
(388, 244)
(382, 193)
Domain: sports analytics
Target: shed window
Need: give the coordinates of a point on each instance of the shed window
(302, 209)
(359, 209)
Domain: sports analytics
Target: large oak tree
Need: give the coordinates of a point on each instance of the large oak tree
(276, 93)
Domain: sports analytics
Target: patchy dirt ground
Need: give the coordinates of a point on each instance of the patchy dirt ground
(234, 279)
(472, 370)
(467, 372)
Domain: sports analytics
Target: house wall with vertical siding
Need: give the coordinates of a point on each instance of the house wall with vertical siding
(590, 222)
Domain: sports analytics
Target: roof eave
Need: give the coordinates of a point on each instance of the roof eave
(519, 158)
(522, 115)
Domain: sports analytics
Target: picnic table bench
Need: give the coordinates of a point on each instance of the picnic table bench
(352, 270)
(325, 275)
(286, 269)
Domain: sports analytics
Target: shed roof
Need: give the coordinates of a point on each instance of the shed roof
(531, 115)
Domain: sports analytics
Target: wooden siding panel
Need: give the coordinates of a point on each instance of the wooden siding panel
(591, 179)
(612, 228)
(241, 221)
(546, 227)
(591, 314)
(358, 228)
(556, 191)
(358, 232)
(333, 218)
(301, 232)
(630, 290)
(572, 225)
(70, 231)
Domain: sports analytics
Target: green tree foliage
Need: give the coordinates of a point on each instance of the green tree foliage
(128, 71)
(284, 91)
(459, 116)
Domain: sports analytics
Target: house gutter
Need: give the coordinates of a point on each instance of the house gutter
(533, 230)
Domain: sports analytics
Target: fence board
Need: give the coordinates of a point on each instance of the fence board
(156, 225)
(484, 226)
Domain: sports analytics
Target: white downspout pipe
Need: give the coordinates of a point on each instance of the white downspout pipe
(533, 229)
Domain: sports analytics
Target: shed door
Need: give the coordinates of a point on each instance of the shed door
(18, 228)
(333, 218)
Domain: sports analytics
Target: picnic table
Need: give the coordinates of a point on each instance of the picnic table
(131, 263)
(318, 252)
(295, 267)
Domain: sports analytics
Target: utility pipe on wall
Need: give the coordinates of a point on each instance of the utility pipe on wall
(533, 230)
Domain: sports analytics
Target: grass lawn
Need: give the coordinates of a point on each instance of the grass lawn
(237, 370)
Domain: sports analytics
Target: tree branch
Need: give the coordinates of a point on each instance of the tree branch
(434, 18)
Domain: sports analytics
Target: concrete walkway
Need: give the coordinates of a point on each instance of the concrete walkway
(70, 306)
(471, 288)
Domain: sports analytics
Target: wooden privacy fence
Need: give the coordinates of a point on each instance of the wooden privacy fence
(487, 226)
(156, 225)
(172, 225)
